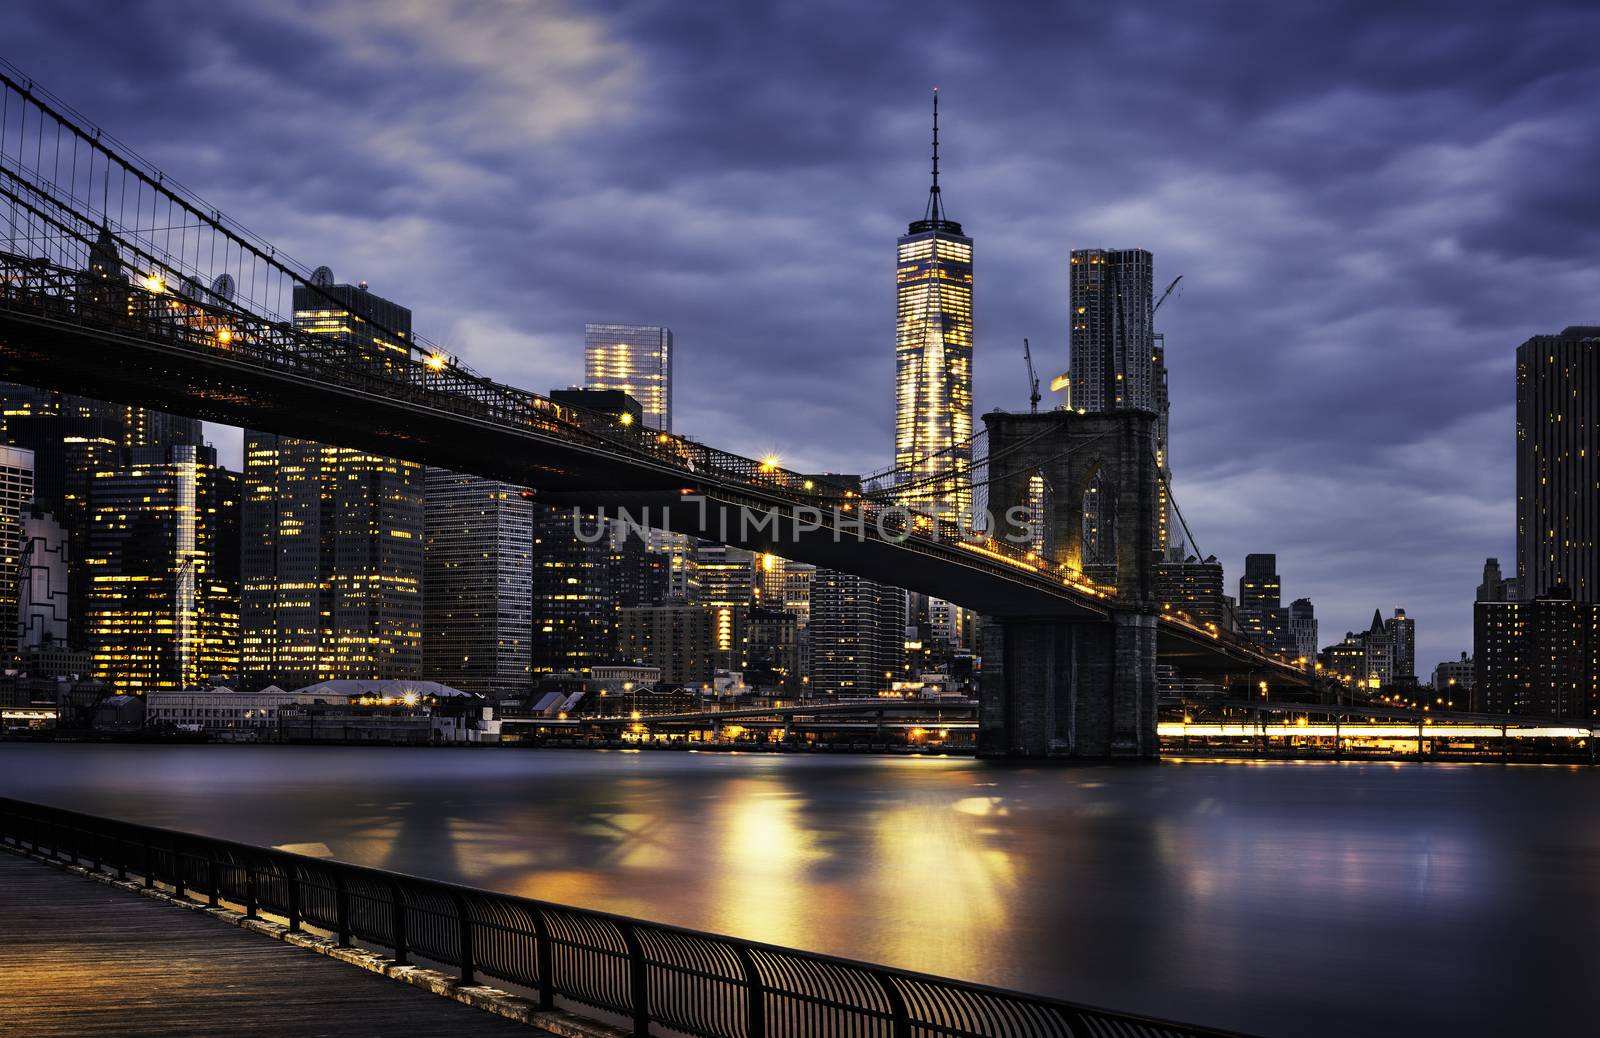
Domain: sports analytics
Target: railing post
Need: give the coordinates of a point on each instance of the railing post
(341, 897)
(213, 876)
(122, 860)
(464, 921)
(899, 1019)
(545, 960)
(639, 981)
(149, 876)
(178, 873)
(252, 900)
(291, 879)
(755, 1025)
(400, 950)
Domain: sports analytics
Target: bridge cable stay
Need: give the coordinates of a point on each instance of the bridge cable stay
(892, 491)
(1173, 498)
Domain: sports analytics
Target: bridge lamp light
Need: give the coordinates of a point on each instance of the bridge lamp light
(436, 361)
(410, 699)
(635, 715)
(154, 283)
(224, 335)
(809, 485)
(626, 419)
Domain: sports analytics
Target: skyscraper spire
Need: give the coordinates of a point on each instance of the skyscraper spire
(935, 210)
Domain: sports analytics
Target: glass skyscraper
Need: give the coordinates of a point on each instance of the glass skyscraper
(635, 358)
(933, 357)
(162, 603)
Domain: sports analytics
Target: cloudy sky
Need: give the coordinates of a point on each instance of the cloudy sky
(1372, 204)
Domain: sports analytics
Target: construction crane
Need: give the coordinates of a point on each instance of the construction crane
(1165, 294)
(1033, 380)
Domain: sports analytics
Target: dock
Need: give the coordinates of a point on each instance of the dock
(81, 958)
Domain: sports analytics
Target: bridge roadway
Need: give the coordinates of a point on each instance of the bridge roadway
(147, 345)
(81, 958)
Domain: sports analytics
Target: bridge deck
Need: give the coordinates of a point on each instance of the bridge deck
(83, 958)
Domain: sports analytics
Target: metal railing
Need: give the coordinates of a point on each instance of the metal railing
(663, 977)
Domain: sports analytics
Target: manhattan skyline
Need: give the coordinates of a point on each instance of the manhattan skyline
(1360, 264)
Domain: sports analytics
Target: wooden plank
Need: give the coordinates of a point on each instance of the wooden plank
(79, 958)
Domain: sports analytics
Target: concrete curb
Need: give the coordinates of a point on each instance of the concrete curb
(478, 996)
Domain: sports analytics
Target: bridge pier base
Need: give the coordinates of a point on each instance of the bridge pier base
(1069, 690)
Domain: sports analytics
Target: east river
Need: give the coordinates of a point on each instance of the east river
(1279, 898)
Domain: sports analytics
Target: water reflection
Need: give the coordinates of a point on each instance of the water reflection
(1288, 899)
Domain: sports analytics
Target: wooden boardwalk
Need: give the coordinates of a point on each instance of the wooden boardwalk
(80, 958)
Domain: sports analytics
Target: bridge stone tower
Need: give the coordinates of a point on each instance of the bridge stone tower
(1075, 686)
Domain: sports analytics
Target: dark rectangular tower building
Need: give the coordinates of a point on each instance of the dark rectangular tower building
(1558, 473)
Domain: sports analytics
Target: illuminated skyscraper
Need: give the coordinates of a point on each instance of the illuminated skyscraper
(332, 537)
(933, 357)
(72, 438)
(635, 358)
(158, 553)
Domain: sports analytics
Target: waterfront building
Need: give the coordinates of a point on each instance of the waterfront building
(857, 635)
(1539, 657)
(677, 639)
(332, 558)
(16, 495)
(636, 359)
(226, 714)
(477, 582)
(933, 358)
(1558, 464)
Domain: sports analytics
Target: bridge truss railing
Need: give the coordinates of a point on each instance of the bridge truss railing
(652, 975)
